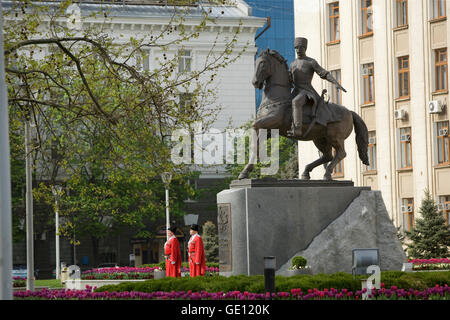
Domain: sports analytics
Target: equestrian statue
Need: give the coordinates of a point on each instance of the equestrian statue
(301, 113)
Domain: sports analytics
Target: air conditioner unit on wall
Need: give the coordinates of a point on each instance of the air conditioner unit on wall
(406, 208)
(435, 106)
(372, 140)
(399, 114)
(443, 132)
(367, 71)
(441, 206)
(405, 137)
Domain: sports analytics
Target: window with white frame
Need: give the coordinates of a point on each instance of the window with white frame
(143, 60)
(185, 60)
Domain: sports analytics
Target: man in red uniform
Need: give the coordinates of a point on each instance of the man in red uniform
(197, 263)
(172, 254)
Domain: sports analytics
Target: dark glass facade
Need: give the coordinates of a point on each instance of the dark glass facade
(280, 36)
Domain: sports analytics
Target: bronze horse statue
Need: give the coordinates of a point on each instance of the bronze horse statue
(275, 112)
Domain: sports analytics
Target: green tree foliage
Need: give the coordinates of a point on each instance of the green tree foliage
(430, 237)
(287, 158)
(17, 154)
(102, 122)
(211, 242)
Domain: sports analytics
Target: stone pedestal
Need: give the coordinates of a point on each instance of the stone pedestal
(364, 224)
(269, 217)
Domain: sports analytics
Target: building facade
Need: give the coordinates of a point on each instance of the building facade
(280, 35)
(391, 57)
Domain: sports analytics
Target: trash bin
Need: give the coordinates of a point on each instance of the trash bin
(159, 274)
(64, 275)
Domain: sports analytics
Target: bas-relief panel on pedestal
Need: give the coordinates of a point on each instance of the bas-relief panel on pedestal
(225, 243)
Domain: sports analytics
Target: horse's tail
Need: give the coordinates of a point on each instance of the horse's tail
(362, 137)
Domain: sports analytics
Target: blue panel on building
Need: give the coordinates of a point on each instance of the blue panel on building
(280, 36)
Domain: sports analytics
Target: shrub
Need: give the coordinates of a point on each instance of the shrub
(162, 265)
(299, 262)
(210, 241)
(255, 284)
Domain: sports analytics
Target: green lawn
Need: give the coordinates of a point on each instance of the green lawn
(52, 283)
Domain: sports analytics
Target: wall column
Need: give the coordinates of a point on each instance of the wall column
(385, 131)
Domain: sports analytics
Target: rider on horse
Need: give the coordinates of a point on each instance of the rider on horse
(301, 72)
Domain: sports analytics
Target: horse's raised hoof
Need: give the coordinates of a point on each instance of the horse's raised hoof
(327, 177)
(306, 176)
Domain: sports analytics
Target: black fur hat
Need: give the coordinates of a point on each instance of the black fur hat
(173, 229)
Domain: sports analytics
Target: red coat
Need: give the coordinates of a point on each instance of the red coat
(197, 263)
(173, 257)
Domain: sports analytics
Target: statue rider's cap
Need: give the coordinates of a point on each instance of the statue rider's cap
(300, 41)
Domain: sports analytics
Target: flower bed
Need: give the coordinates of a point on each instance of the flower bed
(435, 293)
(430, 264)
(210, 271)
(19, 282)
(119, 273)
(130, 273)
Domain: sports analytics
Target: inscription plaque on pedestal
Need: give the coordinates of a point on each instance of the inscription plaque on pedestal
(224, 224)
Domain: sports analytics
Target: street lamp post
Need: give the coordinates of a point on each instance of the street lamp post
(29, 194)
(5, 185)
(56, 192)
(166, 178)
(29, 207)
(269, 275)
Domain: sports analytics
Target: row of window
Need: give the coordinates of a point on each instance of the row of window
(437, 10)
(405, 149)
(403, 78)
(407, 211)
(184, 60)
(440, 73)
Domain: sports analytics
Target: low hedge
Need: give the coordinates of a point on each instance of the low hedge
(255, 284)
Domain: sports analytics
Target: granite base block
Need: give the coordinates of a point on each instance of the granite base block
(365, 224)
(275, 218)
